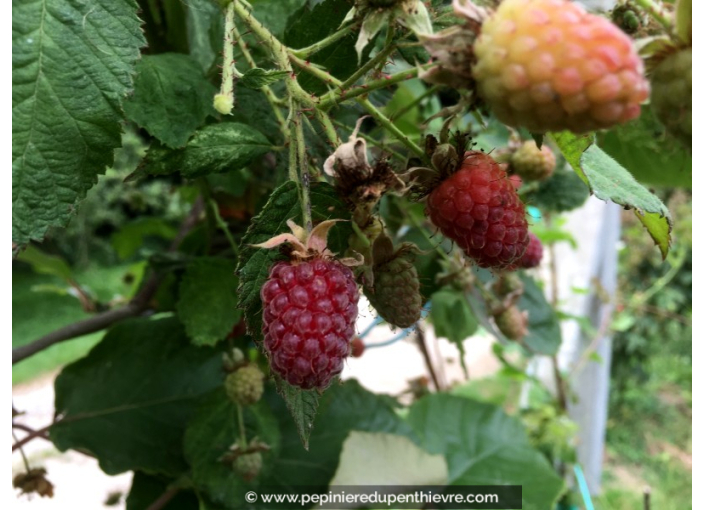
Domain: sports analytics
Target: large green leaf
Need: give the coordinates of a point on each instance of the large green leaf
(310, 25)
(171, 97)
(215, 148)
(72, 64)
(146, 489)
(648, 152)
(205, 27)
(610, 181)
(484, 446)
(287, 465)
(207, 303)
(254, 265)
(544, 335)
(209, 436)
(128, 401)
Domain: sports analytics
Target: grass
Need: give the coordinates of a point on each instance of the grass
(38, 308)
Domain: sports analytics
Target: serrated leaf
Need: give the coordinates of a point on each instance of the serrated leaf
(128, 401)
(215, 148)
(209, 436)
(610, 181)
(343, 408)
(452, 316)
(44, 263)
(310, 25)
(562, 191)
(544, 334)
(254, 265)
(171, 97)
(389, 459)
(72, 63)
(207, 302)
(652, 156)
(257, 78)
(146, 489)
(484, 446)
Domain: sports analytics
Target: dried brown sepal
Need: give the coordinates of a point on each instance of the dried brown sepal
(34, 481)
(305, 246)
(358, 182)
(446, 157)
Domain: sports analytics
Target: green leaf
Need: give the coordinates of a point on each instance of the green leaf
(257, 78)
(310, 25)
(610, 181)
(389, 459)
(254, 265)
(204, 26)
(43, 263)
(72, 63)
(207, 303)
(171, 97)
(146, 489)
(215, 148)
(275, 15)
(563, 191)
(452, 316)
(209, 436)
(484, 446)
(648, 152)
(544, 334)
(130, 238)
(343, 408)
(128, 401)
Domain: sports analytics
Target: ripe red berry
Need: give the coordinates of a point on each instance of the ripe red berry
(548, 65)
(533, 254)
(479, 209)
(310, 309)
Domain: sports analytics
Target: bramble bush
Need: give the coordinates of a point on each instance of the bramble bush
(268, 163)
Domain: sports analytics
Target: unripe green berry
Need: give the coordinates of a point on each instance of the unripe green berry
(248, 465)
(246, 385)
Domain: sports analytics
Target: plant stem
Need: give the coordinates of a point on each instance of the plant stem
(657, 10)
(391, 127)
(266, 89)
(304, 176)
(412, 104)
(304, 53)
(283, 60)
(225, 100)
(243, 431)
(24, 457)
(223, 226)
(333, 97)
(380, 57)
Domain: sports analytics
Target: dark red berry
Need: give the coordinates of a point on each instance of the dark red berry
(479, 209)
(533, 255)
(310, 309)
